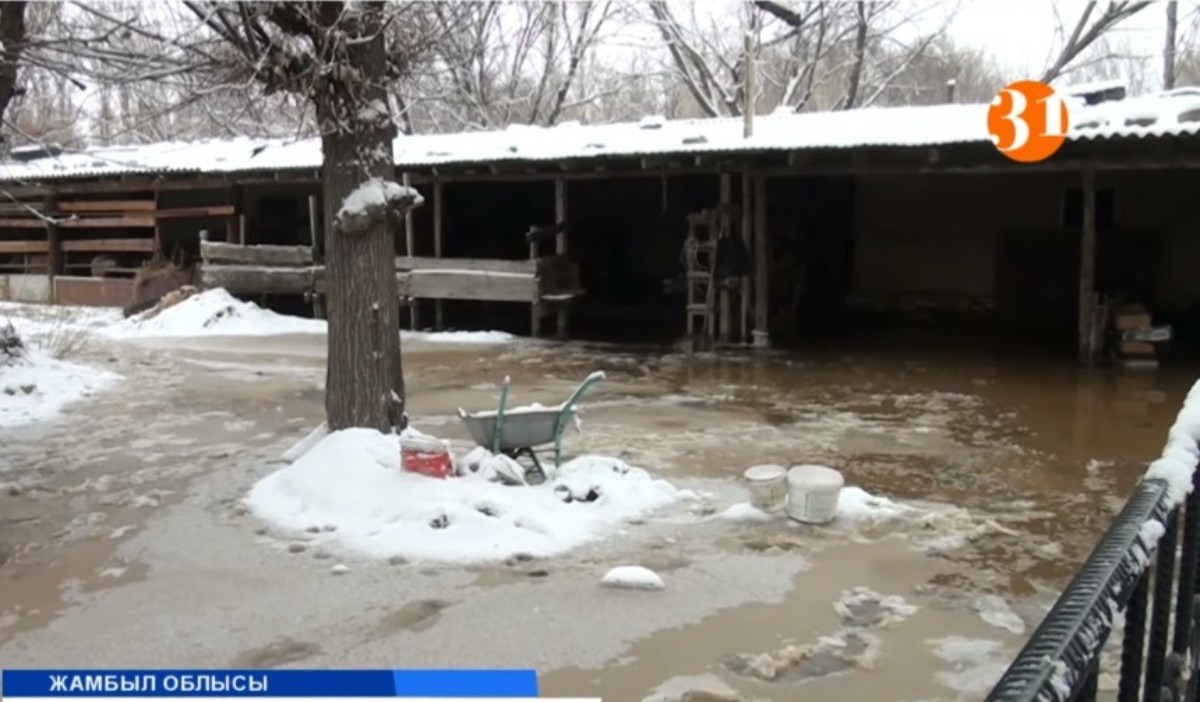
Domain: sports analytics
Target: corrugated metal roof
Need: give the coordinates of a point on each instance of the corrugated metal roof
(1168, 114)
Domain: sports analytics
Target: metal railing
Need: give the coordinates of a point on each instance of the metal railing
(1141, 570)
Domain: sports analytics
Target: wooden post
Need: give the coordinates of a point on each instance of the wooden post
(560, 245)
(159, 254)
(54, 262)
(317, 252)
(761, 264)
(410, 250)
(535, 312)
(724, 325)
(242, 228)
(231, 222)
(438, 208)
(747, 293)
(1088, 350)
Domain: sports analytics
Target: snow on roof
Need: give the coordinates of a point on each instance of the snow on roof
(1175, 113)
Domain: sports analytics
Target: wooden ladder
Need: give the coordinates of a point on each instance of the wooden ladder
(700, 256)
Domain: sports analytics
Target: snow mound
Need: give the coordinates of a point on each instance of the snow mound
(855, 504)
(633, 578)
(212, 313)
(376, 193)
(215, 312)
(36, 387)
(744, 512)
(352, 480)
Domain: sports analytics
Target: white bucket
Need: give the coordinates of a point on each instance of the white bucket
(768, 489)
(813, 493)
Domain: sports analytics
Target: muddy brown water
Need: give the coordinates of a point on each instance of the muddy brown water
(1043, 451)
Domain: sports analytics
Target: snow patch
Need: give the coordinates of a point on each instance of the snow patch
(212, 313)
(958, 650)
(744, 512)
(632, 578)
(375, 192)
(854, 504)
(37, 387)
(352, 480)
(216, 312)
(996, 611)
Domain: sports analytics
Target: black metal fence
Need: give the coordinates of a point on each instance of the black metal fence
(1143, 568)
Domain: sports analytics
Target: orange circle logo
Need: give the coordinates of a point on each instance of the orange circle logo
(1028, 121)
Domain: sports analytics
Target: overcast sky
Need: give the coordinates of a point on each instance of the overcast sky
(1021, 33)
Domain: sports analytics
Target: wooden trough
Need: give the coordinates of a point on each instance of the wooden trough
(290, 270)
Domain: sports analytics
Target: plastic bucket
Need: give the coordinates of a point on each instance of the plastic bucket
(768, 489)
(813, 493)
(425, 457)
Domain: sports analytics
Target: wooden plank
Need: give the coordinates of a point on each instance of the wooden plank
(262, 279)
(747, 294)
(494, 265)
(725, 322)
(257, 255)
(107, 206)
(107, 223)
(198, 212)
(560, 247)
(31, 223)
(24, 247)
(762, 264)
(438, 207)
(53, 241)
(472, 285)
(86, 290)
(109, 245)
(1087, 272)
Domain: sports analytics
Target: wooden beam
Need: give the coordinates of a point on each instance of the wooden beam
(472, 285)
(264, 280)
(195, 212)
(315, 254)
(53, 242)
(108, 206)
(494, 265)
(129, 222)
(410, 247)
(762, 263)
(30, 247)
(109, 245)
(560, 248)
(439, 197)
(30, 223)
(1088, 351)
(747, 293)
(725, 322)
(160, 253)
(259, 255)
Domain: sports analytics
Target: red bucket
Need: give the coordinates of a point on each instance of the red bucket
(425, 457)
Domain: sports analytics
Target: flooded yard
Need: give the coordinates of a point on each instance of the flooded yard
(125, 540)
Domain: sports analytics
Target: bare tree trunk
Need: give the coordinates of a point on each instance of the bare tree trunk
(860, 55)
(12, 35)
(365, 380)
(1169, 47)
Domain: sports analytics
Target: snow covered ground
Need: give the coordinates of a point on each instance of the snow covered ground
(37, 387)
(350, 489)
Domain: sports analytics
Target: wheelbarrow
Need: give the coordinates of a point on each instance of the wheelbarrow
(522, 430)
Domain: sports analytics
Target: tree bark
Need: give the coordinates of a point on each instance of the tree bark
(12, 36)
(364, 377)
(1170, 45)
